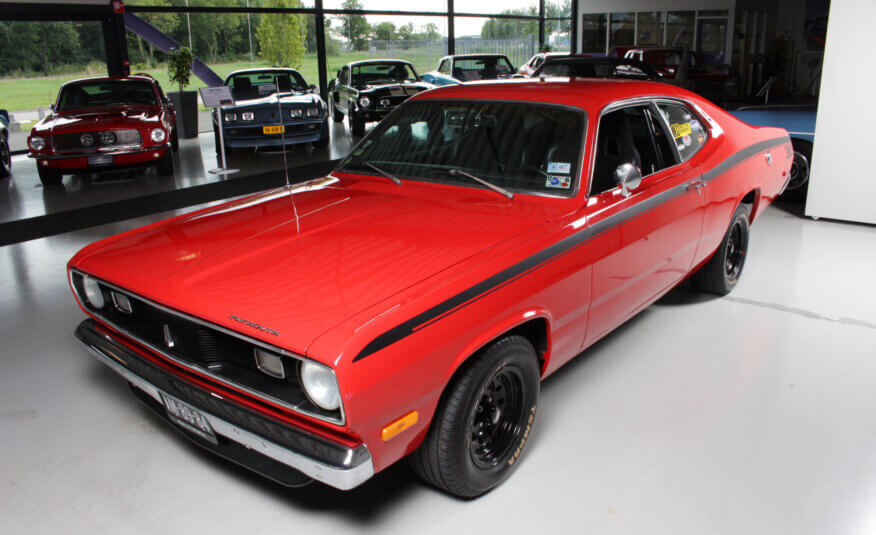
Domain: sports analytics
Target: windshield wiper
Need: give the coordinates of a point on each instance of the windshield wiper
(384, 173)
(497, 189)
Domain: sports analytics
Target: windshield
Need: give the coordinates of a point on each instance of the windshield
(378, 73)
(107, 93)
(256, 84)
(482, 68)
(592, 69)
(524, 147)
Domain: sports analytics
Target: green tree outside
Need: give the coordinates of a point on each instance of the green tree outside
(281, 36)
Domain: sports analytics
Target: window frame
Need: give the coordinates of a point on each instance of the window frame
(652, 102)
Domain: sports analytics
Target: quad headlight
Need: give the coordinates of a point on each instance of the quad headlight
(320, 385)
(230, 117)
(158, 135)
(92, 292)
(364, 102)
(86, 140)
(247, 116)
(37, 143)
(313, 112)
(107, 138)
(295, 113)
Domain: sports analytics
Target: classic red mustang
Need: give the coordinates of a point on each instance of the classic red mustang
(409, 303)
(105, 123)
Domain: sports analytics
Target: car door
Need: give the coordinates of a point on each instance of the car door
(644, 241)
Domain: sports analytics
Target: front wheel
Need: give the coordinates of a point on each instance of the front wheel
(5, 158)
(165, 164)
(720, 274)
(337, 115)
(483, 421)
(357, 123)
(49, 177)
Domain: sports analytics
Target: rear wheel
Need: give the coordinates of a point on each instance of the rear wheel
(49, 177)
(483, 420)
(799, 172)
(357, 123)
(337, 115)
(720, 274)
(5, 158)
(165, 164)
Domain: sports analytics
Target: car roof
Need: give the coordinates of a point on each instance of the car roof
(369, 61)
(263, 69)
(587, 93)
(462, 56)
(138, 77)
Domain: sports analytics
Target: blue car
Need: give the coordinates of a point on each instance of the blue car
(272, 107)
(799, 121)
(470, 67)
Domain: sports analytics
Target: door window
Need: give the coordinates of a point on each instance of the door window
(687, 130)
(629, 135)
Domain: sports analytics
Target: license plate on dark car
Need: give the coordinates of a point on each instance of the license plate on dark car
(100, 160)
(188, 417)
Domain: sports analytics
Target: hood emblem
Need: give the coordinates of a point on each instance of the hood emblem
(254, 325)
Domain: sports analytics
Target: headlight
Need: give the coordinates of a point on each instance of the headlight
(107, 138)
(86, 140)
(37, 143)
(247, 116)
(384, 102)
(364, 102)
(230, 117)
(320, 385)
(158, 135)
(313, 112)
(295, 113)
(269, 363)
(92, 292)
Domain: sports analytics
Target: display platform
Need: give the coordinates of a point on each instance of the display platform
(28, 210)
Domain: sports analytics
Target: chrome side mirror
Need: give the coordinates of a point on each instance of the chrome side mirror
(628, 177)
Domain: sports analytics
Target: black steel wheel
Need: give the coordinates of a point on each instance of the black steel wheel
(483, 420)
(799, 169)
(5, 158)
(721, 273)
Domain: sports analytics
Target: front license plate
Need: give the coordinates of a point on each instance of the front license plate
(188, 417)
(100, 160)
(279, 129)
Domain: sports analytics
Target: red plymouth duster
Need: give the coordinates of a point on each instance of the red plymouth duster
(409, 303)
(100, 124)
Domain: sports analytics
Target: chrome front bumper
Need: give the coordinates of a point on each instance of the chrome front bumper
(352, 466)
(121, 150)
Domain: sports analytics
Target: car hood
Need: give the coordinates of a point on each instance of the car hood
(100, 119)
(274, 98)
(418, 86)
(353, 244)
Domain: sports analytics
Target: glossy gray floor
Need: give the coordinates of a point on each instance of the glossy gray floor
(749, 414)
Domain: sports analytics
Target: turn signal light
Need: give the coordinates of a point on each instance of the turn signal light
(399, 425)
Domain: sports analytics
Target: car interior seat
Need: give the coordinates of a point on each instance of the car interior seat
(615, 146)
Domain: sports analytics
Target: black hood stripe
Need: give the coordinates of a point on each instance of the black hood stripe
(555, 251)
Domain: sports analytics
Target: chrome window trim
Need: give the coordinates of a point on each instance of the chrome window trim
(204, 371)
(651, 100)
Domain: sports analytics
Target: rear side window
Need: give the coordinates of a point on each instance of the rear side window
(687, 131)
(445, 67)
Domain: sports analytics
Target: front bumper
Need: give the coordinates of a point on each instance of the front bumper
(254, 441)
(122, 157)
(239, 135)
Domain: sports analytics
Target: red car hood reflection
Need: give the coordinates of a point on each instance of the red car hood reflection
(348, 249)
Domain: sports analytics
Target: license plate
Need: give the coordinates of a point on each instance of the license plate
(188, 417)
(279, 129)
(100, 160)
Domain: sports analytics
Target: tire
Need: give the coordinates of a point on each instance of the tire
(165, 164)
(337, 115)
(174, 141)
(5, 158)
(504, 375)
(228, 150)
(357, 124)
(321, 143)
(800, 166)
(721, 273)
(49, 177)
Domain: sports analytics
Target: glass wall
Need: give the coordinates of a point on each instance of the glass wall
(593, 28)
(702, 31)
(622, 30)
(515, 38)
(649, 28)
(680, 28)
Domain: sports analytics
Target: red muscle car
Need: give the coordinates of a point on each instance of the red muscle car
(105, 123)
(410, 302)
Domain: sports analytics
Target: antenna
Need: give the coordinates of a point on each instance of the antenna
(283, 148)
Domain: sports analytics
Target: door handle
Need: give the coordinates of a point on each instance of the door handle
(695, 185)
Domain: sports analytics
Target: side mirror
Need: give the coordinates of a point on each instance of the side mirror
(628, 177)
(313, 87)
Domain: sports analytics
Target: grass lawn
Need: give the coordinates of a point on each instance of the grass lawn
(17, 94)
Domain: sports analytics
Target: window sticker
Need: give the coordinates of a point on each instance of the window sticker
(559, 167)
(686, 140)
(679, 130)
(561, 182)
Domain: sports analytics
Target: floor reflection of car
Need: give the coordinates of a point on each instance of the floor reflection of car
(799, 121)
(590, 67)
(272, 108)
(5, 153)
(105, 123)
(368, 90)
(470, 67)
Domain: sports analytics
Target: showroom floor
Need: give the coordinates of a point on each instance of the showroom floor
(752, 413)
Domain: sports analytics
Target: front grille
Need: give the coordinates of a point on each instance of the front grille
(225, 356)
(74, 142)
